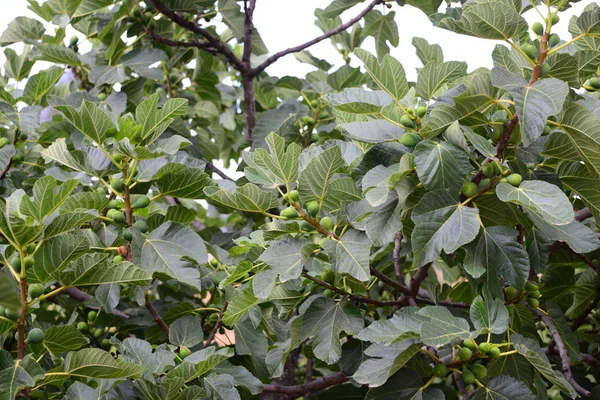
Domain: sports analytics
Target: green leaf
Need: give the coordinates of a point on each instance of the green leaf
(17, 377)
(307, 58)
(504, 388)
(428, 52)
(435, 75)
(530, 349)
(174, 250)
(90, 160)
(441, 327)
(59, 339)
(239, 306)
(91, 120)
(324, 320)
(107, 74)
(541, 198)
(405, 385)
(155, 122)
(385, 362)
(140, 352)
(534, 103)
(339, 6)
(96, 363)
(402, 326)
(55, 254)
(221, 387)
(23, 29)
(384, 29)
(161, 147)
(389, 75)
(38, 85)
(359, 101)
(84, 201)
(286, 257)
(569, 337)
(441, 224)
(278, 120)
(11, 297)
(488, 19)
(58, 54)
(374, 131)
(350, 254)
(244, 198)
(275, 167)
(65, 222)
(186, 331)
(489, 316)
(481, 144)
(96, 269)
(183, 181)
(140, 61)
(441, 165)
(581, 179)
(579, 237)
(16, 66)
(87, 7)
(315, 179)
(497, 252)
(47, 197)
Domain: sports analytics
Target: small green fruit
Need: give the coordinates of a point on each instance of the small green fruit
(12, 313)
(314, 103)
(469, 344)
(82, 326)
(537, 28)
(28, 262)
(289, 212)
(555, 18)
(117, 259)
(92, 316)
(511, 292)
(306, 227)
(534, 294)
(494, 352)
(553, 40)
(113, 351)
(465, 354)
(184, 352)
(328, 293)
(17, 157)
(530, 50)
(141, 202)
(407, 121)
(421, 111)
(485, 347)
(36, 290)
(23, 136)
(410, 139)
(323, 114)
(308, 120)
(545, 70)
(535, 303)
(102, 96)
(440, 370)
(479, 371)
(327, 223)
(141, 226)
(595, 83)
(118, 157)
(470, 189)
(15, 263)
(503, 180)
(3, 142)
(514, 179)
(35, 336)
(313, 208)
(411, 111)
(328, 276)
(127, 235)
(214, 262)
(113, 204)
(294, 195)
(31, 248)
(74, 40)
(484, 183)
(105, 343)
(531, 286)
(468, 377)
(118, 217)
(117, 184)
(98, 333)
(547, 130)
(488, 170)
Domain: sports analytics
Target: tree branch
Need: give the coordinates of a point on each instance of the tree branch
(316, 40)
(217, 171)
(82, 296)
(317, 384)
(402, 288)
(583, 214)
(562, 350)
(157, 318)
(191, 26)
(218, 324)
(179, 43)
(396, 258)
(22, 318)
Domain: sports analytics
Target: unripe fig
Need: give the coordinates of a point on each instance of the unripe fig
(595, 83)
(514, 179)
(470, 189)
(547, 130)
(485, 347)
(127, 235)
(117, 216)
(36, 290)
(531, 286)
(102, 96)
(440, 370)
(294, 195)
(184, 352)
(488, 170)
(484, 183)
(98, 333)
(113, 351)
(28, 261)
(313, 208)
(308, 120)
(407, 121)
(117, 184)
(113, 204)
(289, 212)
(314, 103)
(553, 40)
(534, 294)
(12, 313)
(3, 142)
(479, 371)
(494, 352)
(469, 343)
(17, 157)
(15, 263)
(35, 336)
(409, 139)
(23, 136)
(537, 28)
(323, 114)
(421, 111)
(511, 292)
(141, 202)
(530, 50)
(214, 262)
(92, 316)
(327, 223)
(82, 326)
(31, 248)
(141, 226)
(118, 157)
(328, 293)
(411, 111)
(117, 259)
(328, 276)
(465, 354)
(468, 377)
(74, 40)
(105, 343)
(535, 303)
(555, 18)
(545, 70)
(306, 227)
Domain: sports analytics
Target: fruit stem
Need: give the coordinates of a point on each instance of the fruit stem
(431, 355)
(23, 315)
(49, 294)
(517, 48)
(562, 46)
(429, 382)
(508, 353)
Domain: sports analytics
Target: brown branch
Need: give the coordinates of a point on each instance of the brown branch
(454, 304)
(588, 358)
(179, 43)
(22, 319)
(317, 384)
(191, 26)
(562, 350)
(583, 214)
(156, 316)
(309, 375)
(396, 258)
(127, 207)
(217, 171)
(316, 40)
(218, 324)
(418, 278)
(381, 276)
(81, 296)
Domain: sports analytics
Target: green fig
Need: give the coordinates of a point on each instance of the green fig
(127, 235)
(485, 347)
(537, 28)
(15, 263)
(407, 121)
(530, 50)
(421, 111)
(92, 316)
(327, 223)
(494, 352)
(479, 371)
(289, 212)
(535, 303)
(514, 179)
(409, 139)
(511, 292)
(117, 184)
(595, 83)
(3, 142)
(82, 326)
(117, 259)
(470, 344)
(102, 96)
(98, 333)
(440, 370)
(113, 204)
(468, 377)
(555, 18)
(36, 290)
(74, 40)
(118, 157)
(470, 189)
(12, 313)
(531, 286)
(184, 352)
(553, 40)
(141, 226)
(35, 336)
(547, 130)
(28, 261)
(313, 208)
(465, 354)
(545, 70)
(294, 195)
(141, 202)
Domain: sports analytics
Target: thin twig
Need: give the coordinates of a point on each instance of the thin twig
(583, 214)
(213, 168)
(396, 258)
(81, 296)
(381, 276)
(316, 40)
(309, 375)
(156, 316)
(22, 319)
(218, 324)
(460, 384)
(317, 384)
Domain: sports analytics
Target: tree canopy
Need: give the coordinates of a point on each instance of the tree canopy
(387, 239)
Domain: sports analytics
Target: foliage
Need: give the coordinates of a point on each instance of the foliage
(388, 239)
